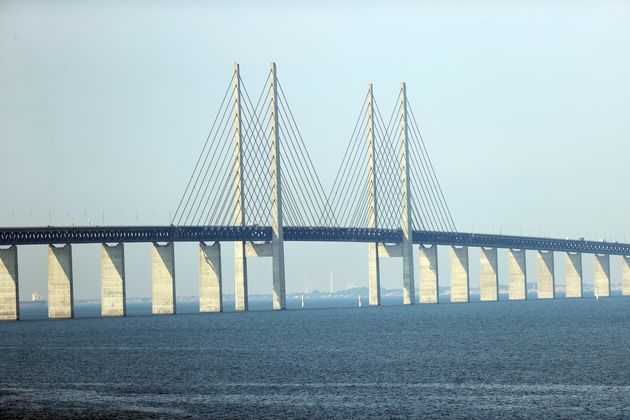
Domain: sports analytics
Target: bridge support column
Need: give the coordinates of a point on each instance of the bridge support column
(601, 270)
(279, 285)
(163, 279)
(517, 281)
(240, 259)
(545, 288)
(277, 232)
(374, 274)
(409, 288)
(9, 294)
(210, 294)
(60, 288)
(374, 269)
(573, 282)
(459, 275)
(429, 286)
(240, 277)
(113, 280)
(625, 275)
(488, 275)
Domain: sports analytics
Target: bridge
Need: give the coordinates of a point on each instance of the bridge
(255, 185)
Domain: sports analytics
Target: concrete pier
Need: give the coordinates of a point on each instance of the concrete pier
(279, 296)
(429, 288)
(374, 275)
(374, 269)
(488, 275)
(9, 293)
(409, 288)
(60, 288)
(113, 280)
(625, 275)
(545, 288)
(240, 276)
(163, 279)
(517, 271)
(210, 283)
(573, 282)
(459, 274)
(240, 256)
(601, 271)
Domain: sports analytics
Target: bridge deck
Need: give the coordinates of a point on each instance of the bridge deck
(114, 234)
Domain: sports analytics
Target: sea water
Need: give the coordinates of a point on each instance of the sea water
(566, 358)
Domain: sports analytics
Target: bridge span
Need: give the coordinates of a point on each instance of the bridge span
(121, 234)
(258, 239)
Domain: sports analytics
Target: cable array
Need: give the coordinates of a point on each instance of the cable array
(208, 187)
(239, 144)
(427, 194)
(211, 198)
(305, 200)
(256, 156)
(350, 193)
(388, 180)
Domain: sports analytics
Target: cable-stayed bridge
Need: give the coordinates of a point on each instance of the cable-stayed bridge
(255, 185)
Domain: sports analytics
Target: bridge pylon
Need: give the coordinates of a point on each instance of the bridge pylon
(240, 258)
(374, 272)
(404, 249)
(409, 291)
(277, 232)
(274, 249)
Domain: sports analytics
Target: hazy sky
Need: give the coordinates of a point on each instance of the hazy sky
(104, 107)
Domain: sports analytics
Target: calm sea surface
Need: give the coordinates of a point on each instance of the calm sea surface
(568, 358)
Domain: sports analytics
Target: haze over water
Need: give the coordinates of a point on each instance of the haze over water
(532, 358)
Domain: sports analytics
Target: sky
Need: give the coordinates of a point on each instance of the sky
(104, 107)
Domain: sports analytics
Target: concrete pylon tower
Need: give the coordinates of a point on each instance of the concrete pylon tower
(374, 273)
(240, 258)
(406, 222)
(277, 238)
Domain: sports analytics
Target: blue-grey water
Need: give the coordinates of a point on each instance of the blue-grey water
(566, 358)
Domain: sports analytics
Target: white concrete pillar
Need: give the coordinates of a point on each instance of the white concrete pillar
(113, 302)
(517, 282)
(163, 279)
(488, 275)
(409, 288)
(240, 277)
(429, 286)
(374, 272)
(210, 294)
(60, 288)
(374, 275)
(625, 275)
(573, 282)
(601, 271)
(460, 280)
(277, 235)
(9, 293)
(545, 288)
(240, 259)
